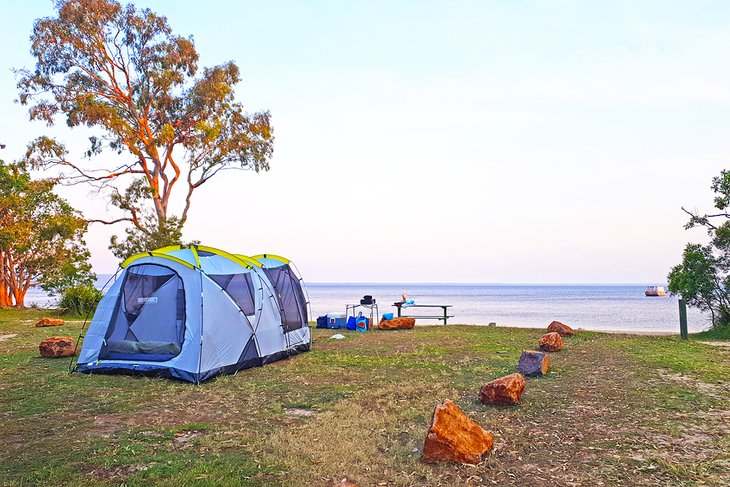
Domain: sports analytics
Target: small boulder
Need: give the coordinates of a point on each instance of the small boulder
(561, 328)
(533, 364)
(453, 437)
(504, 391)
(58, 347)
(551, 342)
(397, 324)
(49, 322)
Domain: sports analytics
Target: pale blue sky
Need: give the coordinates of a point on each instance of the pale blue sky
(452, 141)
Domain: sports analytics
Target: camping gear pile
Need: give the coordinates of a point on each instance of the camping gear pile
(195, 312)
(339, 321)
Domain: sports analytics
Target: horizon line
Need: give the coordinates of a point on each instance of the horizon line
(354, 283)
(455, 283)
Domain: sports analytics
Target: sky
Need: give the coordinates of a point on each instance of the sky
(459, 141)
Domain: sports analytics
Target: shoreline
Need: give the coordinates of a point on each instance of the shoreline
(609, 331)
(486, 325)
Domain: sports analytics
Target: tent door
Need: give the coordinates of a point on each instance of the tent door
(149, 317)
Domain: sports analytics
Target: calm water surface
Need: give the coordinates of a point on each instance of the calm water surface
(593, 307)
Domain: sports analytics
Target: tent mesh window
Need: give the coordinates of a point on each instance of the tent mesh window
(240, 288)
(149, 317)
(290, 296)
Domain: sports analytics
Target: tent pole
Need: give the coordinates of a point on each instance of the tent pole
(71, 367)
(200, 353)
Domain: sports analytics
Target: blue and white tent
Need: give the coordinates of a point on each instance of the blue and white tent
(195, 312)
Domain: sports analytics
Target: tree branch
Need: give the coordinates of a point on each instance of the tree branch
(112, 222)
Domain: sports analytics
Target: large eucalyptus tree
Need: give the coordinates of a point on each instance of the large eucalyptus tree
(159, 126)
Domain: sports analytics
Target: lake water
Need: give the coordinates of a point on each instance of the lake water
(592, 307)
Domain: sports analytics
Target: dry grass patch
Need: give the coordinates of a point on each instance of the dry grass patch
(373, 436)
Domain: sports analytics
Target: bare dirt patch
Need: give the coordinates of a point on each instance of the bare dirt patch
(725, 344)
(299, 413)
(719, 390)
(115, 474)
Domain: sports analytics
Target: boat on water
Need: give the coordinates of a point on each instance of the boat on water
(655, 291)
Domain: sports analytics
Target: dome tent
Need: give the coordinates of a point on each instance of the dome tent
(189, 313)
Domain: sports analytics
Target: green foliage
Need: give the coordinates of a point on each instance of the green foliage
(703, 276)
(41, 237)
(152, 235)
(694, 279)
(79, 300)
(121, 72)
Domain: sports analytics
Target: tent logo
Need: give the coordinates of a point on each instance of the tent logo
(152, 300)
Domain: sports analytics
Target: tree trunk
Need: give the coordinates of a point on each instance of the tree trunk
(21, 284)
(12, 281)
(20, 297)
(159, 210)
(4, 296)
(5, 301)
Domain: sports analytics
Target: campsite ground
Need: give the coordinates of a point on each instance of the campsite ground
(614, 410)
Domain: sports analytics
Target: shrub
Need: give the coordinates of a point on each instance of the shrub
(80, 299)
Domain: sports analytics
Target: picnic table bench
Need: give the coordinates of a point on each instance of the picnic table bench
(444, 317)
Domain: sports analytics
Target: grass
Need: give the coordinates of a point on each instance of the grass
(615, 409)
(720, 333)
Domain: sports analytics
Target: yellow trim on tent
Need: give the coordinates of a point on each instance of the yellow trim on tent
(154, 253)
(172, 248)
(272, 256)
(169, 248)
(249, 259)
(234, 258)
(194, 250)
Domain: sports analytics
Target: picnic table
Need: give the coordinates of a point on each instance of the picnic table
(444, 316)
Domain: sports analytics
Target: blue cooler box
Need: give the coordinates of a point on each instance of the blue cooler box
(336, 320)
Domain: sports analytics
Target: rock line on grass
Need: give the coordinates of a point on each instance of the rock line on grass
(561, 328)
(454, 437)
(551, 342)
(533, 363)
(49, 322)
(57, 347)
(505, 391)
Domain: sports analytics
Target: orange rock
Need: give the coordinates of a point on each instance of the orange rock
(49, 322)
(58, 347)
(397, 324)
(533, 364)
(453, 437)
(551, 342)
(504, 391)
(561, 328)
(345, 483)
